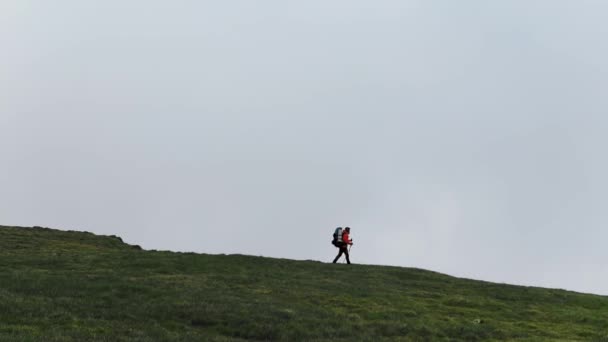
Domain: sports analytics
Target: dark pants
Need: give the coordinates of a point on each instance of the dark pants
(343, 250)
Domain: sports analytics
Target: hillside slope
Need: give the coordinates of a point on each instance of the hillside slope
(76, 286)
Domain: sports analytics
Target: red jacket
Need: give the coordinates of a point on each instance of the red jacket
(345, 238)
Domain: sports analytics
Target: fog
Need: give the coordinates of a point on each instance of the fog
(463, 137)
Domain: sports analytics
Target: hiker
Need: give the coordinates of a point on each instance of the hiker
(343, 245)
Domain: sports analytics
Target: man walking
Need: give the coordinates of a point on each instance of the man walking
(346, 241)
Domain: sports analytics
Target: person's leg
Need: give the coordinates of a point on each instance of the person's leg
(339, 255)
(346, 254)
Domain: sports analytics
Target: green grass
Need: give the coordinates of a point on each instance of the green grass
(77, 286)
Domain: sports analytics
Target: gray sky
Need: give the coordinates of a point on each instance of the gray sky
(465, 137)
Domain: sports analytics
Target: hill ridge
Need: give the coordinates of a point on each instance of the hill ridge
(58, 285)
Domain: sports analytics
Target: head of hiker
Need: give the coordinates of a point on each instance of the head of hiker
(343, 243)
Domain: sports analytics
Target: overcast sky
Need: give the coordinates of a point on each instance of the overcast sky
(465, 137)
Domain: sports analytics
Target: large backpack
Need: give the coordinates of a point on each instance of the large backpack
(337, 241)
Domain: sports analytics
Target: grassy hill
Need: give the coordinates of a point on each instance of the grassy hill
(77, 286)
